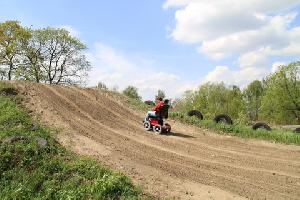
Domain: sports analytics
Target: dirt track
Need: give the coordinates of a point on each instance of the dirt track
(189, 164)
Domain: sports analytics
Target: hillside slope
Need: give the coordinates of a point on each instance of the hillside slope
(189, 163)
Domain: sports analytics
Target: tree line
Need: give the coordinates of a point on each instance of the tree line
(275, 99)
(48, 55)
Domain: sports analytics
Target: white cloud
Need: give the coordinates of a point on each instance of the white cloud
(72, 30)
(240, 77)
(110, 58)
(251, 31)
(254, 59)
(266, 5)
(226, 27)
(115, 69)
(276, 66)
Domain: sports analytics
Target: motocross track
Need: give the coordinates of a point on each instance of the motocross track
(189, 163)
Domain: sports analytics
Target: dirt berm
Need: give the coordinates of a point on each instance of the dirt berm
(190, 163)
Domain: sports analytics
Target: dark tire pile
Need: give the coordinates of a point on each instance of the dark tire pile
(262, 126)
(223, 119)
(226, 119)
(195, 113)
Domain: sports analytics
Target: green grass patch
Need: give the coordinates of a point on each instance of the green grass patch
(28, 171)
(276, 135)
(138, 104)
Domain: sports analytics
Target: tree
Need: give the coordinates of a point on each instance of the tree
(281, 103)
(49, 55)
(161, 94)
(101, 86)
(212, 99)
(115, 88)
(252, 96)
(55, 57)
(2, 74)
(63, 60)
(33, 58)
(185, 103)
(12, 35)
(235, 103)
(131, 92)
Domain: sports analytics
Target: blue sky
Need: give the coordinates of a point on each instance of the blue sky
(174, 45)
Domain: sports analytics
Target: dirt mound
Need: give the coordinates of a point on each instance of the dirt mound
(189, 164)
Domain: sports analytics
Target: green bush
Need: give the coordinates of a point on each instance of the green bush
(238, 129)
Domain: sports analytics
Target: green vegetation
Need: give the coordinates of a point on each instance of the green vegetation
(101, 86)
(241, 130)
(252, 97)
(281, 101)
(161, 94)
(29, 171)
(49, 55)
(139, 105)
(275, 99)
(132, 93)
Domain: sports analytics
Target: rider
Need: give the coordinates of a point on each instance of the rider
(157, 107)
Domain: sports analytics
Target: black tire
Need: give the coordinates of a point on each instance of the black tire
(158, 129)
(195, 113)
(223, 118)
(297, 130)
(168, 128)
(261, 125)
(147, 126)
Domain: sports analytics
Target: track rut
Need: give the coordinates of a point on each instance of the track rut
(190, 163)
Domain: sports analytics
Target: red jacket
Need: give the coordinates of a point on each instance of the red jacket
(158, 106)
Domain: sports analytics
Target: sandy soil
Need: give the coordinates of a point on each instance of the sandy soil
(189, 163)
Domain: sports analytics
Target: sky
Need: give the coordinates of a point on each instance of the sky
(173, 45)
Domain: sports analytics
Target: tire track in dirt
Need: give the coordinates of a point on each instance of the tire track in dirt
(225, 166)
(141, 139)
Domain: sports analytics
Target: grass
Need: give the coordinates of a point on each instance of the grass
(237, 129)
(276, 135)
(28, 171)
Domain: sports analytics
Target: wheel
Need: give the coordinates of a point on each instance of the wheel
(195, 113)
(158, 129)
(147, 126)
(223, 119)
(297, 130)
(261, 125)
(167, 128)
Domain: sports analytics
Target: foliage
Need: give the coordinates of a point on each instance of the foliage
(185, 103)
(101, 86)
(161, 94)
(281, 102)
(28, 171)
(252, 96)
(12, 36)
(139, 105)
(275, 99)
(212, 99)
(56, 55)
(132, 92)
(49, 55)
